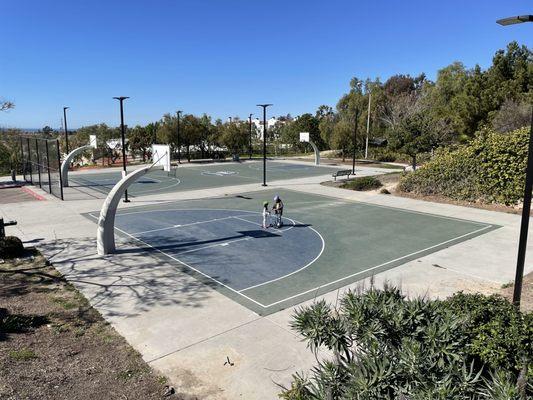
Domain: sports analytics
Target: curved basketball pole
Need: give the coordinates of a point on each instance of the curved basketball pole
(317, 153)
(105, 237)
(68, 159)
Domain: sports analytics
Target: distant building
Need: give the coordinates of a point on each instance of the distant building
(258, 122)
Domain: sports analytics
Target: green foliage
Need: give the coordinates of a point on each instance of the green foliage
(11, 246)
(235, 136)
(386, 346)
(23, 354)
(362, 183)
(490, 168)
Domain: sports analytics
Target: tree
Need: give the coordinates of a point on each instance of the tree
(341, 137)
(290, 132)
(235, 136)
(6, 105)
(416, 133)
(512, 115)
(140, 141)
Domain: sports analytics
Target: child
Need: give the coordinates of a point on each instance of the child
(278, 210)
(266, 215)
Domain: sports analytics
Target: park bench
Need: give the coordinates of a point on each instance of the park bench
(342, 172)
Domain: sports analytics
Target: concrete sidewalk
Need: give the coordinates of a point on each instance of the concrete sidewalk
(187, 330)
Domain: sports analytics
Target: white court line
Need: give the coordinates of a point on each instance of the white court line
(377, 266)
(310, 290)
(278, 230)
(349, 201)
(185, 225)
(223, 244)
(293, 272)
(187, 265)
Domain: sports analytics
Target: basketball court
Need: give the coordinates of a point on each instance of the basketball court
(325, 242)
(200, 177)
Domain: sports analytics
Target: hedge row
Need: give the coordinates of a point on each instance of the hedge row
(490, 169)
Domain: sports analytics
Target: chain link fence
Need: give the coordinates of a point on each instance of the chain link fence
(41, 164)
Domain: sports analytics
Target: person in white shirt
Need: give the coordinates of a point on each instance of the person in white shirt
(266, 216)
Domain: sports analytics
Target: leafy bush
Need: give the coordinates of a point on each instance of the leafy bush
(385, 155)
(11, 246)
(491, 168)
(386, 346)
(362, 183)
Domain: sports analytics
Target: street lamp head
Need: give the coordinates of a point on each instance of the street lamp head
(264, 105)
(515, 20)
(179, 112)
(66, 108)
(121, 98)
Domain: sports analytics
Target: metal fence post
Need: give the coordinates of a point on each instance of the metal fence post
(29, 155)
(38, 162)
(22, 159)
(60, 177)
(48, 167)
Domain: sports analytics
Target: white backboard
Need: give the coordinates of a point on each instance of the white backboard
(304, 136)
(161, 155)
(92, 141)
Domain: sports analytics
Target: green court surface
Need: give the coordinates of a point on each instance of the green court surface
(326, 243)
(201, 176)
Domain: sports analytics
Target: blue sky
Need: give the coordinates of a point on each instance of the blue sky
(224, 57)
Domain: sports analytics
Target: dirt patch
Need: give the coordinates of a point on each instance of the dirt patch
(389, 182)
(54, 345)
(526, 300)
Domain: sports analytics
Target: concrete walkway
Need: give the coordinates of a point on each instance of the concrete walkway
(188, 331)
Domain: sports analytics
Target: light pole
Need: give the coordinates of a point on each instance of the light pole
(250, 126)
(178, 136)
(264, 141)
(524, 226)
(66, 130)
(368, 124)
(123, 136)
(354, 139)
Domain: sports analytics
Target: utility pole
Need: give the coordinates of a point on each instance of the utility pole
(355, 138)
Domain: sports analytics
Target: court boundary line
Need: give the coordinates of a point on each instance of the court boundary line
(95, 186)
(351, 201)
(202, 273)
(378, 266)
(342, 200)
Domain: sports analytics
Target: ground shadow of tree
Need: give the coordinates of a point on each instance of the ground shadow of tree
(137, 277)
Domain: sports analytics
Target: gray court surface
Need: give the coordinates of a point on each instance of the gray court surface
(200, 177)
(325, 243)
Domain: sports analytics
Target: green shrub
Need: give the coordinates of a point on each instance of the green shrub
(386, 346)
(386, 155)
(490, 168)
(362, 183)
(11, 246)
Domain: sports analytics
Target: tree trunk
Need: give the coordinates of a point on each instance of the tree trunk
(414, 162)
(188, 153)
(343, 155)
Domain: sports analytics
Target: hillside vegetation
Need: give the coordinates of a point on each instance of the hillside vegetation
(489, 169)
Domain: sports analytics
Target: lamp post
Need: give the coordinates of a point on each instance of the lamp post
(178, 136)
(250, 126)
(354, 139)
(368, 124)
(66, 130)
(264, 142)
(123, 137)
(524, 226)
